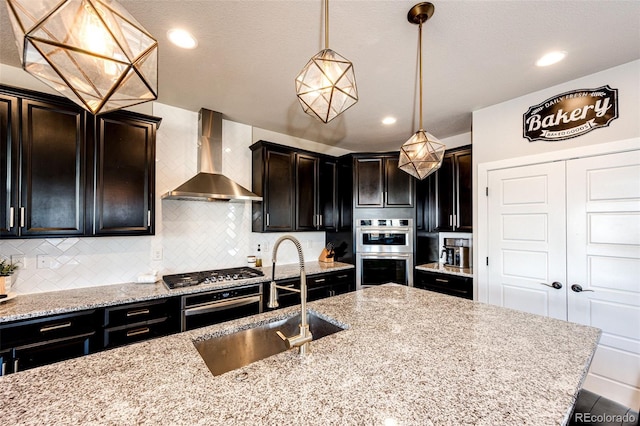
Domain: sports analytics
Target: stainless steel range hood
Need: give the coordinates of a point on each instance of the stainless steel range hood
(209, 184)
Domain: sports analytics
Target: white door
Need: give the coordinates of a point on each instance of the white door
(603, 240)
(526, 239)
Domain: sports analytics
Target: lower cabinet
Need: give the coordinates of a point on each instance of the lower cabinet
(32, 343)
(26, 344)
(452, 285)
(125, 324)
(318, 287)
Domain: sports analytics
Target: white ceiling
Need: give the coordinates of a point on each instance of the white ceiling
(476, 54)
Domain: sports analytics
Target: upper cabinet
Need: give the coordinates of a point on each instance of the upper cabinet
(444, 199)
(298, 189)
(69, 173)
(380, 183)
(273, 180)
(125, 174)
(9, 131)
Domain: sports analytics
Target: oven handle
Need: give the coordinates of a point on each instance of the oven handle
(385, 256)
(219, 306)
(387, 230)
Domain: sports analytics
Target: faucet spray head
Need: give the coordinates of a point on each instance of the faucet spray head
(273, 296)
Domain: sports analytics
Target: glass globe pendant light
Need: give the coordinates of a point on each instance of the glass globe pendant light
(326, 86)
(92, 51)
(422, 154)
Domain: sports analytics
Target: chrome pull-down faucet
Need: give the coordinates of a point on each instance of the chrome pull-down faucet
(301, 340)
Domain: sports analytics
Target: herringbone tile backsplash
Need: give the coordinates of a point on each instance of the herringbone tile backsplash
(191, 235)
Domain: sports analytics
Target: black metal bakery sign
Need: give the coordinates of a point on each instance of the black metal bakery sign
(571, 114)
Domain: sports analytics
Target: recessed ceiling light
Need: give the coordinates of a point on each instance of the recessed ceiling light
(182, 38)
(388, 120)
(551, 58)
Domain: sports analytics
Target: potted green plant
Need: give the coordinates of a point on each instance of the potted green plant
(6, 270)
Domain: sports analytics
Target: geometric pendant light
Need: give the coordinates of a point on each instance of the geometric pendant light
(326, 86)
(422, 154)
(92, 51)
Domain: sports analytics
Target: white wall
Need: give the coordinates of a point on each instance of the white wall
(497, 130)
(191, 235)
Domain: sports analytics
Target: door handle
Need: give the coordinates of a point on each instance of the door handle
(554, 284)
(578, 288)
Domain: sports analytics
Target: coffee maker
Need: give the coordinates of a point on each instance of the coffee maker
(456, 252)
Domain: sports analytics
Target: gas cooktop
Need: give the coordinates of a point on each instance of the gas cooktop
(209, 277)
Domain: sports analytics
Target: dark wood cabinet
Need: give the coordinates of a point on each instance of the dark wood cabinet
(426, 203)
(344, 190)
(306, 193)
(453, 285)
(298, 189)
(319, 286)
(52, 170)
(379, 182)
(134, 322)
(273, 180)
(125, 171)
(9, 131)
(32, 343)
(328, 190)
(453, 201)
(68, 173)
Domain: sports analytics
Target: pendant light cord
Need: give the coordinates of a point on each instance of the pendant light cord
(326, 24)
(420, 67)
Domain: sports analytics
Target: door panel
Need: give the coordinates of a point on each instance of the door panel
(529, 300)
(604, 257)
(527, 240)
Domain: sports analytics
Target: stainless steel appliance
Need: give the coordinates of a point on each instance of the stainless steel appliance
(217, 305)
(384, 252)
(457, 252)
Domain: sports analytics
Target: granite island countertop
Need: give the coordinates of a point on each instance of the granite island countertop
(65, 301)
(408, 356)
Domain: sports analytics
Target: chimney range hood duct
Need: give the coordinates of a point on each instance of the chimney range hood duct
(209, 184)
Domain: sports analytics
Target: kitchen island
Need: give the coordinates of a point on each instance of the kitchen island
(407, 356)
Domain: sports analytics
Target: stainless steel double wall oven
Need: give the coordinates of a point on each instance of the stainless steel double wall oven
(384, 252)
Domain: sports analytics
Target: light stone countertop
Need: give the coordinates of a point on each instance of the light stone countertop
(64, 301)
(409, 356)
(446, 269)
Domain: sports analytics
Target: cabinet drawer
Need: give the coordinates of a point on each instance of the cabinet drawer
(57, 327)
(447, 284)
(136, 313)
(124, 335)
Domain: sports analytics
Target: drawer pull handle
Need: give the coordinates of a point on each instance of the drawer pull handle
(55, 327)
(137, 332)
(342, 276)
(440, 280)
(138, 312)
(321, 280)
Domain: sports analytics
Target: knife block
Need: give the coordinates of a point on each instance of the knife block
(326, 256)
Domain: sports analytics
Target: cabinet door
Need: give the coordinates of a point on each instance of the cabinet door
(125, 176)
(8, 160)
(464, 216)
(306, 192)
(398, 185)
(53, 169)
(328, 194)
(426, 203)
(444, 195)
(344, 188)
(278, 196)
(369, 183)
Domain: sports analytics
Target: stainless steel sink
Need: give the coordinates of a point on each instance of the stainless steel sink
(226, 353)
